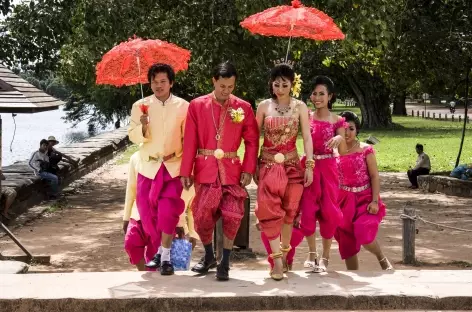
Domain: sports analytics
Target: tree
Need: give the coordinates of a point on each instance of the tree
(34, 33)
(355, 61)
(385, 40)
(214, 37)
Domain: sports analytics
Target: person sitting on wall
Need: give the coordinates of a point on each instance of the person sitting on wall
(423, 167)
(7, 195)
(55, 157)
(39, 162)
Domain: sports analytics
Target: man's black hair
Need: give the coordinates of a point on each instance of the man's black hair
(161, 68)
(225, 70)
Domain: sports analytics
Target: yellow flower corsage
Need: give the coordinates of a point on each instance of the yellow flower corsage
(297, 86)
(237, 115)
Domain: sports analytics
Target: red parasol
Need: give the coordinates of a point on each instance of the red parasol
(296, 20)
(128, 63)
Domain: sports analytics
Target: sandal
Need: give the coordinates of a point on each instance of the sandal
(285, 250)
(274, 276)
(322, 267)
(311, 264)
(389, 266)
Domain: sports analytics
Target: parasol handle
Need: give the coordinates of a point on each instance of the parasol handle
(289, 41)
(288, 49)
(139, 70)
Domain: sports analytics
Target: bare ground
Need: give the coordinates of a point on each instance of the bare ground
(84, 233)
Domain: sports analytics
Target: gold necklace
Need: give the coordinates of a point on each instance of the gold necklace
(218, 129)
(282, 110)
(355, 145)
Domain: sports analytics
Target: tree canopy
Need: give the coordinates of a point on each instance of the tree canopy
(392, 47)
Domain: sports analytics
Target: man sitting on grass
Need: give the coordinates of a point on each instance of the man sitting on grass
(423, 167)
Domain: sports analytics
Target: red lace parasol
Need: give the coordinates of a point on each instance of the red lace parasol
(128, 63)
(293, 21)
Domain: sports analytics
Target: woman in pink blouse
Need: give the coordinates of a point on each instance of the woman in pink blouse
(359, 199)
(320, 200)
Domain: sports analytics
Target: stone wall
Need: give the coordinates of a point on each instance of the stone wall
(446, 185)
(93, 153)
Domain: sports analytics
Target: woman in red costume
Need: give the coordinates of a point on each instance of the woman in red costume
(281, 177)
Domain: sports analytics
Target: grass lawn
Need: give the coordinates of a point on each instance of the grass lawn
(441, 140)
(396, 150)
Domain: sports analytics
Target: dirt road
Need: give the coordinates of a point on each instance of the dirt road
(85, 234)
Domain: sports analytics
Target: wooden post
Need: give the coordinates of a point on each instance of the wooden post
(428, 114)
(439, 116)
(434, 115)
(417, 113)
(422, 114)
(460, 118)
(412, 113)
(409, 233)
(445, 117)
(452, 118)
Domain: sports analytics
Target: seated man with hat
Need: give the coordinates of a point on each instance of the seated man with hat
(55, 156)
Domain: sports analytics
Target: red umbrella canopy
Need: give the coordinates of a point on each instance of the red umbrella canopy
(128, 63)
(296, 20)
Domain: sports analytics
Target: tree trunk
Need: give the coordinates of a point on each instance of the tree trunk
(372, 96)
(399, 104)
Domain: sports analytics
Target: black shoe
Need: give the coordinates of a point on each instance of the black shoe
(222, 273)
(155, 263)
(203, 266)
(166, 268)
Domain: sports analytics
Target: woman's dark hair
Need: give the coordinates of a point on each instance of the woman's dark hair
(280, 71)
(328, 83)
(352, 117)
(161, 68)
(44, 141)
(225, 70)
(419, 146)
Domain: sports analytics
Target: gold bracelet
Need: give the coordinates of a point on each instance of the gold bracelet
(310, 166)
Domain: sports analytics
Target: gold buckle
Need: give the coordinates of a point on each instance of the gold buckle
(279, 158)
(219, 153)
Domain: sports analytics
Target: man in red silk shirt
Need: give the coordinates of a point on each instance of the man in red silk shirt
(215, 126)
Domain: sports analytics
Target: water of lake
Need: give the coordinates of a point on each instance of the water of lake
(31, 128)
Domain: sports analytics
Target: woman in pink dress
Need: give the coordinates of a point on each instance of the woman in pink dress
(320, 201)
(359, 199)
(280, 176)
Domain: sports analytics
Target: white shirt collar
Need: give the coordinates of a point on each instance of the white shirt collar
(169, 99)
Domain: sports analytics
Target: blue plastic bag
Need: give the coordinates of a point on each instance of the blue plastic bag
(181, 254)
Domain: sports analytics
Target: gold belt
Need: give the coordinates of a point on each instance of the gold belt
(325, 156)
(279, 158)
(165, 158)
(218, 153)
(356, 189)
